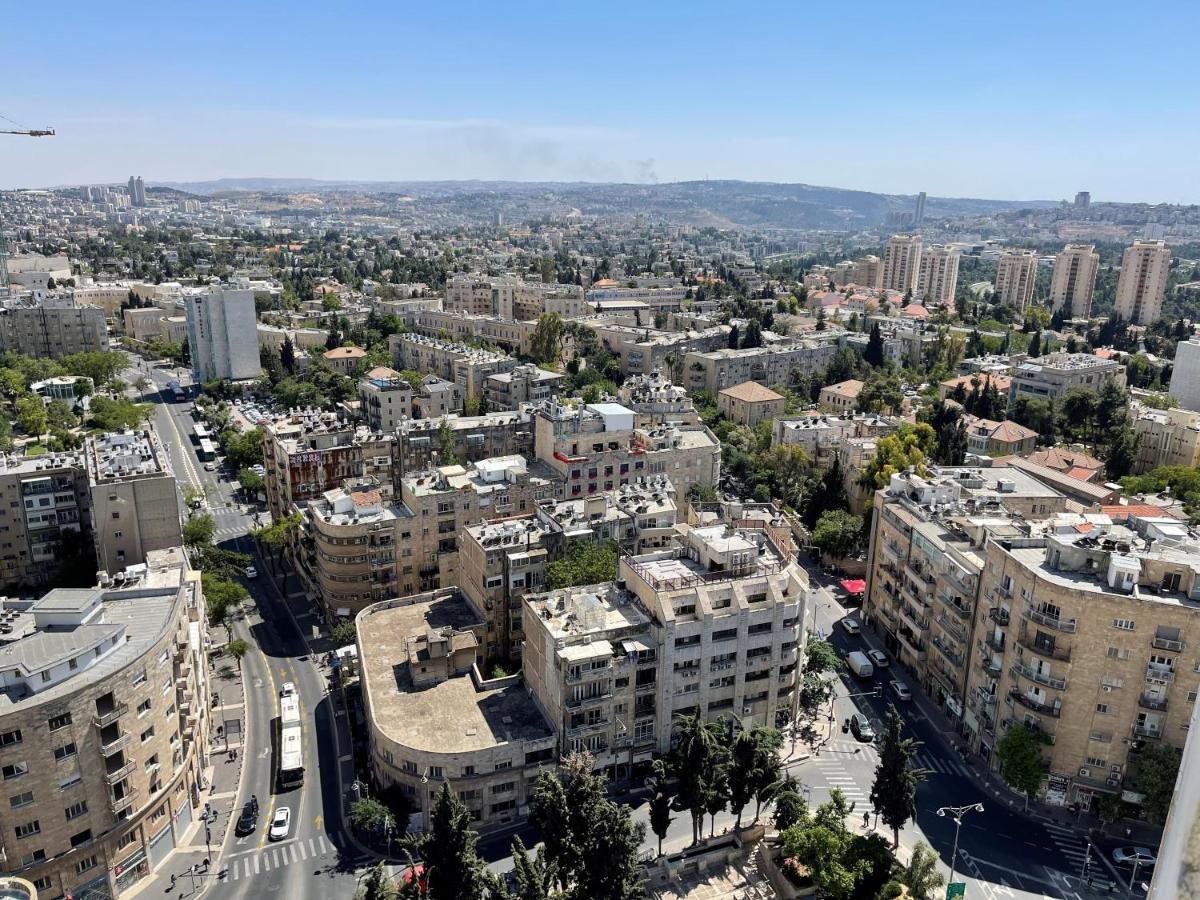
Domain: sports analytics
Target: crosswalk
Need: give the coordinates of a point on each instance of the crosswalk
(249, 863)
(1074, 848)
(835, 776)
(924, 759)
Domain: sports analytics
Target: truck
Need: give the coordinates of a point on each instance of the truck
(859, 664)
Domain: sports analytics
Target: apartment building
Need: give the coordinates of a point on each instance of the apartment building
(901, 263)
(40, 498)
(526, 383)
(749, 403)
(841, 397)
(642, 350)
(344, 360)
(1074, 280)
(715, 370)
(937, 281)
(867, 272)
(1016, 275)
(1090, 641)
(471, 438)
(1049, 377)
(384, 398)
(1185, 376)
(509, 335)
(712, 627)
(925, 562)
(655, 400)
(222, 334)
(104, 721)
(51, 327)
(987, 438)
(1166, 437)
(596, 447)
(135, 498)
(466, 366)
(433, 718)
(821, 435)
(1143, 282)
(512, 298)
(436, 397)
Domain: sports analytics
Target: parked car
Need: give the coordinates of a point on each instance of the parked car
(248, 820)
(287, 688)
(210, 467)
(900, 690)
(1127, 856)
(281, 824)
(860, 727)
(859, 664)
(251, 572)
(851, 627)
(879, 658)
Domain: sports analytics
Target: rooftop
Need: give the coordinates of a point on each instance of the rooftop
(125, 455)
(751, 392)
(586, 612)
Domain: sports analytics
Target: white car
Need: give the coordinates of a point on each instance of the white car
(879, 658)
(281, 824)
(210, 467)
(851, 627)
(287, 688)
(251, 572)
(900, 690)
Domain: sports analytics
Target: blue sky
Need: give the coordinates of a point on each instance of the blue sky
(1016, 101)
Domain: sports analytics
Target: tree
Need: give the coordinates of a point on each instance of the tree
(1077, 412)
(1035, 345)
(445, 442)
(199, 530)
(921, 877)
(816, 684)
(881, 394)
(237, 648)
(873, 354)
(344, 632)
(1037, 414)
(243, 449)
(838, 534)
(31, 416)
(535, 877)
(1154, 772)
(910, 445)
(1021, 762)
(287, 355)
(545, 343)
(250, 481)
(660, 805)
(790, 807)
(120, 414)
(585, 562)
(947, 422)
(894, 792)
(1120, 452)
(696, 761)
(368, 814)
(734, 337)
(753, 335)
(829, 493)
(741, 775)
(453, 870)
(376, 886)
(102, 366)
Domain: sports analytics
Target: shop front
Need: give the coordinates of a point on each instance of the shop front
(129, 872)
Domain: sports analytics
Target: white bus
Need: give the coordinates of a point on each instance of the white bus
(291, 749)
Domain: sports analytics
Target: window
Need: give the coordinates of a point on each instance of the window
(1118, 653)
(43, 883)
(28, 829)
(1102, 708)
(70, 781)
(15, 770)
(504, 787)
(435, 771)
(57, 722)
(30, 859)
(126, 839)
(139, 677)
(75, 810)
(504, 764)
(1097, 762)
(1123, 624)
(143, 707)
(9, 738)
(147, 734)
(18, 800)
(85, 865)
(65, 751)
(116, 515)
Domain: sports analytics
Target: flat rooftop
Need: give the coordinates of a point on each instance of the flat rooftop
(588, 611)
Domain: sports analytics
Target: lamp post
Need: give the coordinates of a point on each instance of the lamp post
(957, 813)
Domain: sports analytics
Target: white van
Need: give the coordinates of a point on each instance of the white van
(859, 664)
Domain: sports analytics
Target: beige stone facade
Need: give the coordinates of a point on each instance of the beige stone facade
(103, 729)
(465, 366)
(1073, 281)
(40, 498)
(901, 263)
(52, 328)
(1016, 275)
(1145, 267)
(1166, 437)
(938, 279)
(749, 403)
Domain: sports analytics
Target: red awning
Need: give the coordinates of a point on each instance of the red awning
(853, 585)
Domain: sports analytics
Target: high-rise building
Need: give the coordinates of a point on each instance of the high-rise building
(53, 327)
(1083, 199)
(1074, 279)
(1143, 282)
(919, 215)
(1185, 376)
(1016, 273)
(137, 191)
(902, 262)
(938, 278)
(223, 335)
(867, 272)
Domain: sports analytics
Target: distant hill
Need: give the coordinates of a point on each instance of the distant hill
(717, 203)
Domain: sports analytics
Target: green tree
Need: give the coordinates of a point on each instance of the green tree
(790, 808)
(243, 449)
(237, 648)
(921, 877)
(31, 416)
(1120, 452)
(829, 493)
(881, 393)
(344, 632)
(535, 876)
(873, 354)
(251, 481)
(742, 762)
(1022, 765)
(453, 870)
(368, 814)
(547, 336)
(198, 531)
(376, 886)
(585, 562)
(838, 534)
(660, 805)
(1154, 772)
(696, 761)
(102, 366)
(445, 442)
(894, 792)
(910, 445)
(821, 662)
(60, 415)
(120, 414)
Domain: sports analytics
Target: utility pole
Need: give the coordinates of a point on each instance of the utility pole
(956, 813)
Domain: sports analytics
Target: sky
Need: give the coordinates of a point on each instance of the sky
(1013, 101)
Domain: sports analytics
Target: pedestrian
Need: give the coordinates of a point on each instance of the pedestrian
(1128, 833)
(867, 819)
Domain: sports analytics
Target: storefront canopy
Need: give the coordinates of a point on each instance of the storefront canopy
(853, 585)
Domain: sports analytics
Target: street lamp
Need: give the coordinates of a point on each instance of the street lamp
(957, 813)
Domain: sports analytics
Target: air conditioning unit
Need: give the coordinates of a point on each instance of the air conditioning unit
(747, 710)
(1114, 781)
(1107, 688)
(1116, 768)
(1085, 772)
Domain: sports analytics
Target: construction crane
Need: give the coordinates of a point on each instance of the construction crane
(33, 132)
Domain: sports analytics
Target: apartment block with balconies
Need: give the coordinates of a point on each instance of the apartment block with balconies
(1091, 639)
(104, 718)
(40, 498)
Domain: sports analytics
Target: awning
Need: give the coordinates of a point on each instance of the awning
(853, 585)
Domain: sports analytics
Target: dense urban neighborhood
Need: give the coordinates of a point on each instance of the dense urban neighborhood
(509, 543)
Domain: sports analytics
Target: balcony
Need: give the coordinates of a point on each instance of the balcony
(999, 615)
(1041, 618)
(1167, 644)
(1045, 709)
(574, 675)
(1024, 671)
(915, 622)
(1153, 732)
(911, 642)
(1062, 654)
(962, 610)
(576, 702)
(1156, 674)
(993, 667)
(584, 729)
(120, 742)
(104, 719)
(918, 575)
(1149, 701)
(996, 640)
(112, 777)
(648, 688)
(118, 804)
(985, 697)
(951, 628)
(954, 657)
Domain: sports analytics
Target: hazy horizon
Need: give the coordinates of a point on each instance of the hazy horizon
(954, 101)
